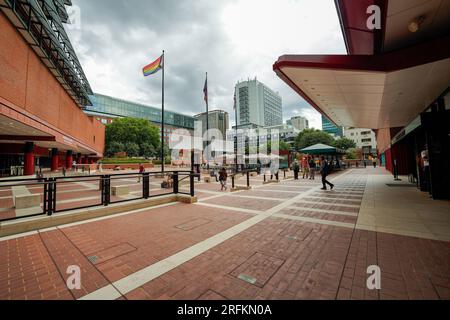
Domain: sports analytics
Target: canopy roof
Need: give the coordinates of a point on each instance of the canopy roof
(388, 77)
(322, 149)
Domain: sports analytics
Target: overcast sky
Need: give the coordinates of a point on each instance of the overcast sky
(232, 40)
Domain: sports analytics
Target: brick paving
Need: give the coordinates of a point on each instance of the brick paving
(307, 256)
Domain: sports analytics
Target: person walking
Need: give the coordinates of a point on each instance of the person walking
(305, 168)
(296, 169)
(141, 171)
(325, 171)
(223, 177)
(312, 169)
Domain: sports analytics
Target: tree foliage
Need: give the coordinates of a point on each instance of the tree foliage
(345, 144)
(137, 137)
(310, 137)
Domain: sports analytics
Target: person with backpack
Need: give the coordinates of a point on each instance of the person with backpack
(325, 171)
(223, 177)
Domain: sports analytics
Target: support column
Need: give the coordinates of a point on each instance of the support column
(69, 160)
(29, 159)
(55, 159)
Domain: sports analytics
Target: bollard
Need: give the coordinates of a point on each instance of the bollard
(248, 179)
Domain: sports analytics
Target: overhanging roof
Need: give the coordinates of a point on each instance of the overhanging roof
(379, 91)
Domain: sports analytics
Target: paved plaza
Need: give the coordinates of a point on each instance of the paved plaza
(287, 240)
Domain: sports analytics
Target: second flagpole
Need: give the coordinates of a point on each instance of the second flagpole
(163, 160)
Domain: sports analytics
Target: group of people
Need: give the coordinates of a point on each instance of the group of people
(309, 167)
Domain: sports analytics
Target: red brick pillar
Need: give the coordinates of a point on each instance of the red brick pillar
(55, 159)
(29, 159)
(69, 160)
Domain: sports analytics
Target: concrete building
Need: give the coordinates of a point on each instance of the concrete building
(42, 92)
(365, 139)
(331, 128)
(218, 119)
(257, 105)
(299, 123)
(106, 109)
(285, 133)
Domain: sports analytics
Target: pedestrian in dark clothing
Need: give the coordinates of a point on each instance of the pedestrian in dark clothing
(223, 177)
(325, 171)
(312, 169)
(296, 168)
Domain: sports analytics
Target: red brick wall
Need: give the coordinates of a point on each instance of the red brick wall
(27, 83)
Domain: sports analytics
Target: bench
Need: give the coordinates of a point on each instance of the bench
(120, 190)
(23, 199)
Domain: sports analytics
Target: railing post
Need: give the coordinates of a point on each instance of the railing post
(191, 182)
(146, 185)
(248, 179)
(49, 196)
(45, 196)
(175, 182)
(106, 190)
(54, 195)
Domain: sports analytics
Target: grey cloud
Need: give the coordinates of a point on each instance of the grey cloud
(129, 34)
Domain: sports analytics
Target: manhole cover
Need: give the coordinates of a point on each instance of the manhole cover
(258, 269)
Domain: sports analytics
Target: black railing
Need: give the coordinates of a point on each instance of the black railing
(62, 194)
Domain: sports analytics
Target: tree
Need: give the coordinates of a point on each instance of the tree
(310, 137)
(345, 144)
(132, 149)
(131, 132)
(114, 147)
(148, 150)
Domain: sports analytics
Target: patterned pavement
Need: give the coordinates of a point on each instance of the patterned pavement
(287, 240)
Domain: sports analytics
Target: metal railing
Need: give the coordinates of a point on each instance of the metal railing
(242, 174)
(62, 194)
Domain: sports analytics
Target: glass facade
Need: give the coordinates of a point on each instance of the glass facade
(114, 107)
(331, 128)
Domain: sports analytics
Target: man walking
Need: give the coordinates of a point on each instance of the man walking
(223, 177)
(296, 168)
(312, 169)
(325, 171)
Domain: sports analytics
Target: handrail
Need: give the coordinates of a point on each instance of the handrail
(51, 189)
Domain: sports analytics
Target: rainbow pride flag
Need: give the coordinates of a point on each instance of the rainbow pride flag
(153, 67)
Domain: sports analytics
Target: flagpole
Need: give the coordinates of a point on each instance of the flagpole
(236, 132)
(207, 117)
(162, 118)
